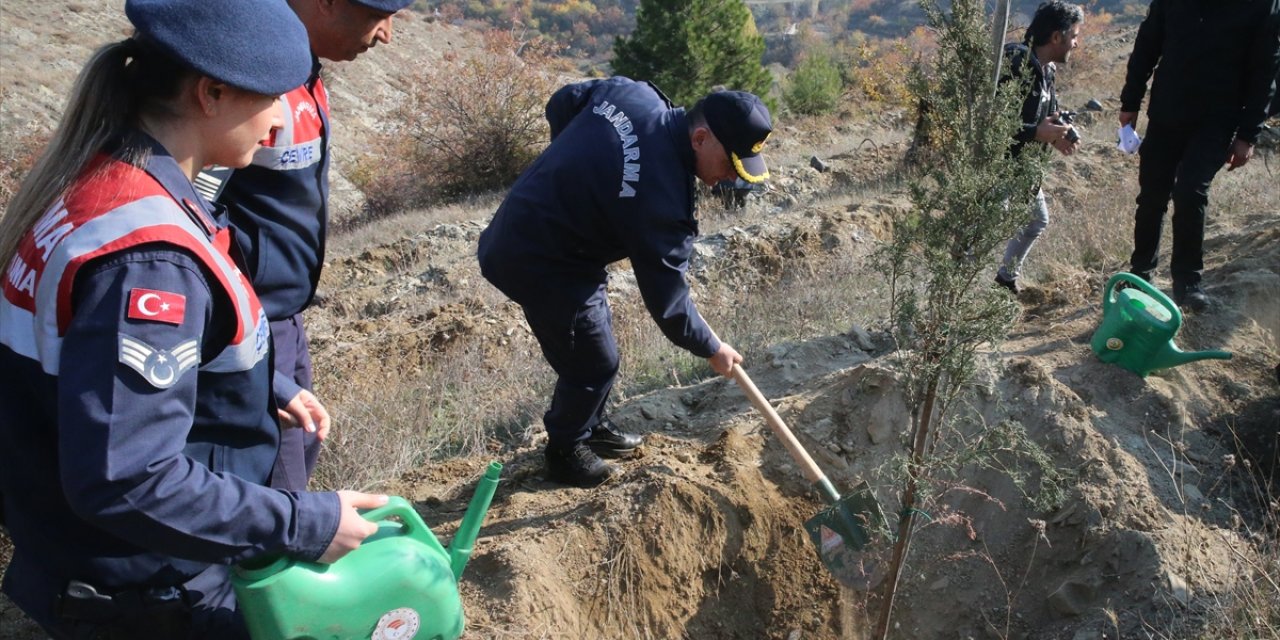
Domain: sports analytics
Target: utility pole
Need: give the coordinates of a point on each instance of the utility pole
(1000, 24)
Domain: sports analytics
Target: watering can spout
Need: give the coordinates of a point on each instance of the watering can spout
(1173, 356)
(463, 542)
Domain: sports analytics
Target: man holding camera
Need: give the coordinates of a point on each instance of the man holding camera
(1053, 34)
(1215, 68)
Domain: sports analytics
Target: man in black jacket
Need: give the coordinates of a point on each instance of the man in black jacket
(1274, 111)
(1053, 34)
(1215, 65)
(616, 183)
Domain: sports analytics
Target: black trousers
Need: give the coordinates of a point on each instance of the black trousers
(577, 341)
(1178, 161)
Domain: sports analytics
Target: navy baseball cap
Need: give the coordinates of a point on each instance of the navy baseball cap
(741, 123)
(256, 45)
(385, 6)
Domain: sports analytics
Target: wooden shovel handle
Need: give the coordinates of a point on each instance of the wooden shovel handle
(807, 465)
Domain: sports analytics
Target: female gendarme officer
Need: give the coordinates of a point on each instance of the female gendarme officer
(137, 427)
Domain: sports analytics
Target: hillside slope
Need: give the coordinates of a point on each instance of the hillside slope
(701, 536)
(43, 45)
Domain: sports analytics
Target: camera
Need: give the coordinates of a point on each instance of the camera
(1068, 118)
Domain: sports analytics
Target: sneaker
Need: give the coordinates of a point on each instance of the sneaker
(1011, 284)
(576, 465)
(1190, 297)
(609, 441)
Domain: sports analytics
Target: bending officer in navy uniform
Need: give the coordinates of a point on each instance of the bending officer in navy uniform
(137, 421)
(279, 203)
(616, 182)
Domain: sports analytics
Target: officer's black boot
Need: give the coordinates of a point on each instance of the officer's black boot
(1008, 283)
(1190, 296)
(576, 465)
(609, 441)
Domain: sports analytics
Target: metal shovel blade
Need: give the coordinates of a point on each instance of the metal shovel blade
(849, 535)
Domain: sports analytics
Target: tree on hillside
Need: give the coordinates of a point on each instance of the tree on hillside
(686, 47)
(967, 202)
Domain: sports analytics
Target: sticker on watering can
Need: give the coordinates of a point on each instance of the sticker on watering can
(397, 624)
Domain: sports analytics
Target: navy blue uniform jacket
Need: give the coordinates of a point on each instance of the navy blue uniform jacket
(279, 203)
(136, 424)
(617, 182)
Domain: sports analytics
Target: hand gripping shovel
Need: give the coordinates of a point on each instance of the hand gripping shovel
(841, 532)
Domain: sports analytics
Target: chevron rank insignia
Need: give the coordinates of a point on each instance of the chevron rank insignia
(161, 368)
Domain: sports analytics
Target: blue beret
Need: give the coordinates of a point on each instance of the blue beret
(385, 6)
(256, 45)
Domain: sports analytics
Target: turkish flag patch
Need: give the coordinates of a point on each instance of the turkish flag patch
(157, 306)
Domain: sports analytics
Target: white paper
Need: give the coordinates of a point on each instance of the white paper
(1129, 139)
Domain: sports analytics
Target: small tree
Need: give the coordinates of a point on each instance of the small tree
(969, 200)
(686, 47)
(815, 87)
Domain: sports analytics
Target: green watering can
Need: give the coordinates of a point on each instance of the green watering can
(400, 583)
(1138, 326)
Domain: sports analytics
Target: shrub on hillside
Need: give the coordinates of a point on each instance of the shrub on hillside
(878, 70)
(815, 87)
(468, 125)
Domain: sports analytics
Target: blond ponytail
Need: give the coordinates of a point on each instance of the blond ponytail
(118, 83)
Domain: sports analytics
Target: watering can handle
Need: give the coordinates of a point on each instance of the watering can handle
(1175, 314)
(797, 451)
(397, 506)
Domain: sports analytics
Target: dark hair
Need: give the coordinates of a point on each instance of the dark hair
(1051, 17)
(122, 82)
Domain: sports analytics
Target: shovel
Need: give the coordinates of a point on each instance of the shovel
(842, 532)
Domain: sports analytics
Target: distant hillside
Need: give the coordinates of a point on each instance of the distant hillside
(587, 28)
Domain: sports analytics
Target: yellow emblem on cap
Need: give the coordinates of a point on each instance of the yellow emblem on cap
(759, 145)
(744, 174)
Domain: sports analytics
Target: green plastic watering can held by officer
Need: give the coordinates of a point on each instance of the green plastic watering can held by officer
(1138, 326)
(400, 584)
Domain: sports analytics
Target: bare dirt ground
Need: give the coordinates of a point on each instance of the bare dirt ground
(702, 535)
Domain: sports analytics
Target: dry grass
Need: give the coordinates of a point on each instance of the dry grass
(1091, 212)
(1250, 608)
(463, 402)
(19, 148)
